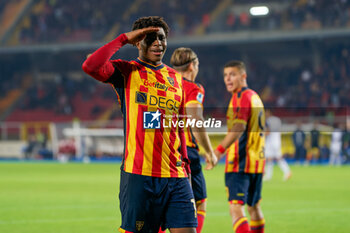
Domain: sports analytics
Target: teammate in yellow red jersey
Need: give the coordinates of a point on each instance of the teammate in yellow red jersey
(186, 62)
(154, 189)
(244, 146)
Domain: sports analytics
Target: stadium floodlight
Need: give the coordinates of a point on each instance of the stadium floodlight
(259, 10)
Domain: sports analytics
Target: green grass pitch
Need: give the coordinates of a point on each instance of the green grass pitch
(83, 198)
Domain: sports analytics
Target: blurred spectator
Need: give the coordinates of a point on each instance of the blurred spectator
(299, 144)
(41, 138)
(324, 153)
(66, 150)
(77, 20)
(30, 149)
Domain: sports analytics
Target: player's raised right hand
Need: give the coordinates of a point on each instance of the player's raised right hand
(139, 34)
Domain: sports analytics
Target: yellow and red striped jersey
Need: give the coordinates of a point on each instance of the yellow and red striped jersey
(247, 153)
(194, 93)
(145, 89)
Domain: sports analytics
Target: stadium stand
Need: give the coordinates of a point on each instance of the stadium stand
(70, 21)
(305, 72)
(57, 97)
(285, 15)
(76, 21)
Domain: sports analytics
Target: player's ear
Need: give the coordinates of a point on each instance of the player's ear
(138, 45)
(190, 66)
(244, 75)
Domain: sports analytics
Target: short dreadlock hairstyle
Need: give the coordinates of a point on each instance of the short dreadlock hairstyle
(151, 21)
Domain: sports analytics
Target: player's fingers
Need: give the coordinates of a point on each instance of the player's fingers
(209, 166)
(138, 35)
(150, 29)
(215, 159)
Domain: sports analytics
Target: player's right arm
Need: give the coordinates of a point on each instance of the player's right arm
(234, 134)
(242, 114)
(98, 64)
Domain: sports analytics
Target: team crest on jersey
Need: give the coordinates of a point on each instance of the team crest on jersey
(171, 80)
(200, 98)
(139, 225)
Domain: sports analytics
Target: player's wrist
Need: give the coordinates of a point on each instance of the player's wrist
(123, 38)
(221, 149)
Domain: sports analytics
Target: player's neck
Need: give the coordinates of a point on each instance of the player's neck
(188, 75)
(240, 88)
(146, 60)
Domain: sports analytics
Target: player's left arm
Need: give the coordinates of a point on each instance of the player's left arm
(234, 134)
(195, 111)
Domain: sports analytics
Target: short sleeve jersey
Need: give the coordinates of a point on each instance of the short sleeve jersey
(247, 153)
(194, 93)
(149, 95)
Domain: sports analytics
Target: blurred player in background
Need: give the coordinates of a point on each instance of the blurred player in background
(315, 145)
(346, 142)
(273, 147)
(154, 188)
(244, 142)
(336, 146)
(299, 138)
(186, 62)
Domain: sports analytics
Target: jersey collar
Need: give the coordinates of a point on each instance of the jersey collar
(148, 65)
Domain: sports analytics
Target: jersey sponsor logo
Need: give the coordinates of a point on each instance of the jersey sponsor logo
(171, 80)
(159, 101)
(164, 103)
(200, 98)
(157, 85)
(151, 120)
(141, 97)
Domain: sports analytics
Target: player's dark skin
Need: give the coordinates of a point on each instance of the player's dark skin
(152, 43)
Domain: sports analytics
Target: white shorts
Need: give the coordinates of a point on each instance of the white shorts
(273, 151)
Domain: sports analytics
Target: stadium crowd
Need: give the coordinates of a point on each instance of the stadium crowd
(309, 84)
(73, 21)
(303, 14)
(68, 20)
(306, 85)
(303, 86)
